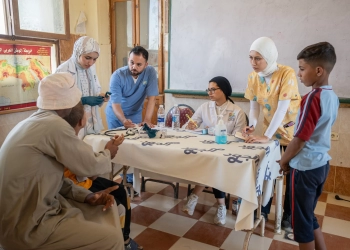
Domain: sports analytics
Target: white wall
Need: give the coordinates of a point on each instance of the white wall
(213, 38)
(97, 26)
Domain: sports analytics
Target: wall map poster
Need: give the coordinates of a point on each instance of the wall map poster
(21, 69)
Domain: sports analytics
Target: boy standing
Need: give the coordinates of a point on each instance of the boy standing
(306, 156)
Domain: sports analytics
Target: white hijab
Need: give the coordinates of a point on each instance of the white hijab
(267, 49)
(85, 45)
(86, 80)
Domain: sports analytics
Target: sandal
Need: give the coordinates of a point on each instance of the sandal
(132, 245)
(289, 236)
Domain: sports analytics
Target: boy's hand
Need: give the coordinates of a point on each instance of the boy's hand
(284, 168)
(100, 198)
(109, 190)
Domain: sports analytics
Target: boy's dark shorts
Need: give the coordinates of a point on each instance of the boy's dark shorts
(306, 187)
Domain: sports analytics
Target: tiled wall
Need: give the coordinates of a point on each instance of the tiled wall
(338, 180)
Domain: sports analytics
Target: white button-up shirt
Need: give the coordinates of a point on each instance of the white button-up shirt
(233, 116)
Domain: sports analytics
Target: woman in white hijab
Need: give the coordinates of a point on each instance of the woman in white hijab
(81, 65)
(274, 87)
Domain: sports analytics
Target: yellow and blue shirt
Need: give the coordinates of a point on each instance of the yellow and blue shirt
(283, 85)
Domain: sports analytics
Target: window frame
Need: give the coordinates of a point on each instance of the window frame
(15, 32)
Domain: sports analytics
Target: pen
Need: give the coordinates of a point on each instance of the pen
(189, 118)
(289, 124)
(249, 128)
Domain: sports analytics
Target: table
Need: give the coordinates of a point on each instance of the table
(238, 168)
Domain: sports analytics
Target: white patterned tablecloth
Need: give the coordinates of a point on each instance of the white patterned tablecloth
(238, 168)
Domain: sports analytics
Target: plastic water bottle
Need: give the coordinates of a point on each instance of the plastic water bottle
(235, 206)
(220, 132)
(176, 118)
(160, 116)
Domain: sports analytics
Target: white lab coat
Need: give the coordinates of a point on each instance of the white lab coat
(206, 116)
(93, 118)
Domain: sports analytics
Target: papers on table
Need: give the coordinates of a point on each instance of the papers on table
(239, 135)
(196, 131)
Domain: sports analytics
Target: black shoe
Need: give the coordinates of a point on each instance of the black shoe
(286, 223)
(135, 193)
(265, 216)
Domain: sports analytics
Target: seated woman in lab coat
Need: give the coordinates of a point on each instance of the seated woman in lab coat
(219, 91)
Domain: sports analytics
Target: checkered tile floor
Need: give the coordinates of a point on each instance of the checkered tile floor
(159, 224)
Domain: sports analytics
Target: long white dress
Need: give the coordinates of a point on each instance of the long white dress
(39, 208)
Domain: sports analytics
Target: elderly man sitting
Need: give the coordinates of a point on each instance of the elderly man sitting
(39, 208)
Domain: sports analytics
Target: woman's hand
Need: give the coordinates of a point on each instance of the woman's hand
(248, 130)
(92, 100)
(191, 125)
(105, 97)
(256, 138)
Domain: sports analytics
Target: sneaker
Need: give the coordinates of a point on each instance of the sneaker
(286, 223)
(135, 192)
(191, 204)
(265, 216)
(132, 245)
(220, 216)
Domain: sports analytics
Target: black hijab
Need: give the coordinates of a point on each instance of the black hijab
(224, 85)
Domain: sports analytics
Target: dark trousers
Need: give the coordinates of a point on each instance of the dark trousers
(120, 197)
(306, 188)
(218, 194)
(286, 206)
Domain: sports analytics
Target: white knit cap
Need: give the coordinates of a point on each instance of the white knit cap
(267, 49)
(58, 91)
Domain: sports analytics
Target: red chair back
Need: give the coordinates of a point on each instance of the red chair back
(184, 109)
